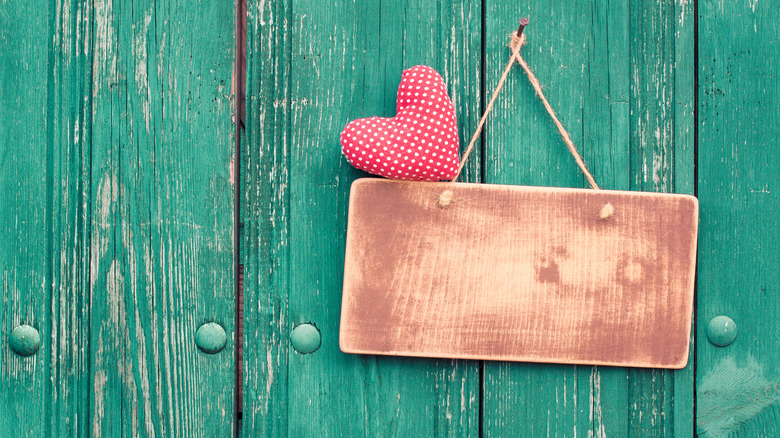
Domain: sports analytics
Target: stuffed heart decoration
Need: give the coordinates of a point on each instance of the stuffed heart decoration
(419, 143)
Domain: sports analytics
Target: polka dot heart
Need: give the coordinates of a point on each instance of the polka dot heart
(419, 143)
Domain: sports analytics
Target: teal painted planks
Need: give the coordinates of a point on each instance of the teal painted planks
(264, 179)
(44, 145)
(738, 386)
(313, 68)
(620, 76)
(117, 209)
(118, 141)
(162, 218)
(116, 138)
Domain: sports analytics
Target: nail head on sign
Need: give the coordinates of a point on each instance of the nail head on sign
(210, 338)
(722, 331)
(24, 340)
(305, 338)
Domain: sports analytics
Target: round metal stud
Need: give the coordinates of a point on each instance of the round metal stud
(24, 340)
(305, 338)
(210, 338)
(722, 331)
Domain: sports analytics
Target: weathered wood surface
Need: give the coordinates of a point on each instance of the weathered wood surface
(628, 67)
(313, 67)
(620, 75)
(44, 219)
(738, 386)
(116, 136)
(519, 273)
(162, 218)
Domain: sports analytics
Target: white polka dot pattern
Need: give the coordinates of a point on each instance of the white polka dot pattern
(419, 143)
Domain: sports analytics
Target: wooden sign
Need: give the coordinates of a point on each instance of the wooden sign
(519, 273)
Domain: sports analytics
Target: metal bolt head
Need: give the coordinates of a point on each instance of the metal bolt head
(305, 338)
(210, 338)
(722, 331)
(24, 340)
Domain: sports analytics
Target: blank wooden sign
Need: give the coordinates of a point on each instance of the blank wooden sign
(519, 273)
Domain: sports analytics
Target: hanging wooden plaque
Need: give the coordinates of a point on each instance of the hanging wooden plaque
(519, 273)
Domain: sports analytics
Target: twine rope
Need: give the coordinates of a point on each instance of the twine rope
(515, 55)
(516, 44)
(538, 88)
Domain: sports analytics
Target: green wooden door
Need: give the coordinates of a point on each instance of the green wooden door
(123, 183)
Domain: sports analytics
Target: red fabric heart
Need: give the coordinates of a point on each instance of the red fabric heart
(419, 143)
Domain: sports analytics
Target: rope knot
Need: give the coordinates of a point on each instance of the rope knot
(445, 198)
(606, 211)
(516, 40)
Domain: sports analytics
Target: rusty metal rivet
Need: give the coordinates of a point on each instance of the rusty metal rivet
(722, 331)
(210, 338)
(24, 340)
(305, 338)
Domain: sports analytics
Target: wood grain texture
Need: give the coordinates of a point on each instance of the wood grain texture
(92, 198)
(313, 67)
(162, 218)
(739, 188)
(44, 161)
(519, 273)
(117, 215)
(620, 76)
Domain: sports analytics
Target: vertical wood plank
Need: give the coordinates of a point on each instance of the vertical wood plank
(312, 68)
(265, 217)
(44, 145)
(26, 178)
(615, 73)
(738, 386)
(162, 219)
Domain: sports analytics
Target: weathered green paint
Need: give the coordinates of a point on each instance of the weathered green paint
(210, 338)
(162, 217)
(738, 387)
(116, 141)
(620, 76)
(116, 144)
(44, 202)
(313, 67)
(305, 338)
(721, 331)
(24, 340)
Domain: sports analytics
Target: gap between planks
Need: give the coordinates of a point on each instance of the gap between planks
(239, 87)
